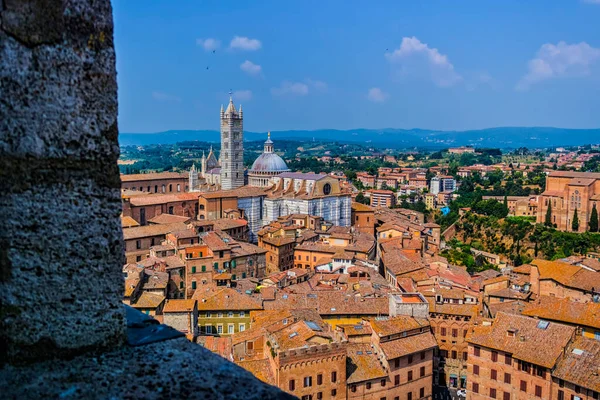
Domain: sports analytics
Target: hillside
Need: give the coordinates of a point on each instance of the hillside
(506, 137)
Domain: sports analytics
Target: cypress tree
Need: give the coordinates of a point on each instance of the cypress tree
(548, 221)
(575, 224)
(594, 220)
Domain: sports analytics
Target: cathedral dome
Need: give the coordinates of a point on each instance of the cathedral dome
(269, 162)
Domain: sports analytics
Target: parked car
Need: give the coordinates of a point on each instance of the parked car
(461, 392)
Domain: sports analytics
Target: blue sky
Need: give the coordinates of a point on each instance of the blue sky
(436, 64)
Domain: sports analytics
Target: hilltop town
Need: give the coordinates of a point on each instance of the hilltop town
(335, 286)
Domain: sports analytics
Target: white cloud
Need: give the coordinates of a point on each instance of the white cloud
(377, 95)
(291, 88)
(317, 85)
(166, 97)
(250, 68)
(244, 43)
(242, 95)
(412, 55)
(208, 44)
(559, 61)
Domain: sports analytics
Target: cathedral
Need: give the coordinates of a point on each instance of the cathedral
(277, 190)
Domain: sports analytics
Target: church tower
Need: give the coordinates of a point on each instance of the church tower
(232, 147)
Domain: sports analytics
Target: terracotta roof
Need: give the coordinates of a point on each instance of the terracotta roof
(179, 305)
(356, 329)
(565, 310)
(508, 293)
(155, 279)
(509, 307)
(465, 310)
(149, 300)
(396, 325)
(580, 364)
(408, 345)
(151, 230)
(568, 275)
(575, 174)
(229, 223)
(364, 364)
(531, 342)
(497, 279)
(153, 176)
(129, 222)
(361, 207)
(226, 299)
(260, 369)
(168, 219)
(297, 335)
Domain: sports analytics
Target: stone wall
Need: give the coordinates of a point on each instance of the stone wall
(58, 172)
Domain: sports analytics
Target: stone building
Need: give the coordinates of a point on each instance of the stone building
(363, 218)
(232, 147)
(567, 191)
(266, 166)
(224, 311)
(513, 357)
(182, 315)
(158, 182)
(146, 207)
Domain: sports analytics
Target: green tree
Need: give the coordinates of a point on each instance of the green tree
(575, 224)
(548, 220)
(360, 198)
(594, 219)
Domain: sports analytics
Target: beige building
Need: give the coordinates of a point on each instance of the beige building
(567, 192)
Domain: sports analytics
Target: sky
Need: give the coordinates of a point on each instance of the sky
(304, 65)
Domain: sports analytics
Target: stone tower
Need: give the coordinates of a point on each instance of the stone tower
(232, 147)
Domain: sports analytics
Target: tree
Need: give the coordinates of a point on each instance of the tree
(575, 224)
(548, 220)
(360, 198)
(594, 219)
(506, 204)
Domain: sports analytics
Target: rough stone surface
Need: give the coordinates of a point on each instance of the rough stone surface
(176, 369)
(61, 249)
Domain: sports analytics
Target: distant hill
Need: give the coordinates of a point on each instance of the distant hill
(507, 137)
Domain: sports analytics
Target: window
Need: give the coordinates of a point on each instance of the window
(422, 355)
(541, 372)
(230, 329)
(453, 355)
(443, 331)
(422, 392)
(242, 327)
(334, 376)
(138, 244)
(454, 332)
(193, 270)
(397, 363)
(410, 376)
(204, 268)
(422, 372)
(494, 356)
(507, 378)
(230, 314)
(353, 388)
(475, 369)
(494, 375)
(292, 385)
(193, 284)
(475, 387)
(179, 188)
(171, 210)
(333, 392)
(506, 396)
(383, 383)
(242, 314)
(464, 356)
(219, 329)
(409, 396)
(561, 395)
(319, 395)
(523, 386)
(397, 380)
(410, 359)
(538, 391)
(477, 351)
(492, 393)
(368, 385)
(307, 381)
(319, 379)
(507, 359)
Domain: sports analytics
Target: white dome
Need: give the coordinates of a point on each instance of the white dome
(269, 162)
